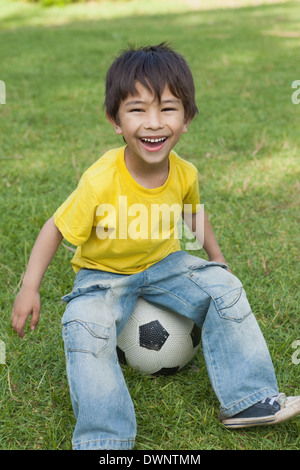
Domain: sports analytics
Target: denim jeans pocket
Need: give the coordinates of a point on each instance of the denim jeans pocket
(224, 288)
(84, 290)
(233, 305)
(85, 337)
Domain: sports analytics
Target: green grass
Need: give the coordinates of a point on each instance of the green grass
(245, 142)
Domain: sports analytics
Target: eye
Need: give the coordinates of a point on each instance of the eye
(169, 109)
(136, 110)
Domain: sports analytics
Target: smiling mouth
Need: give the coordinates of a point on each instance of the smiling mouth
(153, 144)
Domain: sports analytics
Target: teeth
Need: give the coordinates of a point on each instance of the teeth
(154, 140)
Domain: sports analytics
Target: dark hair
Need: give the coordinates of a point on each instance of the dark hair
(154, 67)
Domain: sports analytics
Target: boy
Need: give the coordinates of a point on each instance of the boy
(125, 249)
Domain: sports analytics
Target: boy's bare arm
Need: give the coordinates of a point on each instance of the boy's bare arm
(28, 299)
(210, 244)
(200, 225)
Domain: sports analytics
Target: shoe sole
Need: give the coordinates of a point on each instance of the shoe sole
(290, 411)
(243, 423)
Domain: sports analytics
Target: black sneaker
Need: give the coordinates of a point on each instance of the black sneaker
(271, 410)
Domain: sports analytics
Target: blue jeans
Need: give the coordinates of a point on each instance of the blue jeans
(235, 352)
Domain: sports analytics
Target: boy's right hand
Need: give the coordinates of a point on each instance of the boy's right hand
(28, 299)
(27, 303)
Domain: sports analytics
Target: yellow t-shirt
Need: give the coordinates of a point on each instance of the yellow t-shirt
(120, 226)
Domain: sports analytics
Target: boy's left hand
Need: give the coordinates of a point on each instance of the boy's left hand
(220, 260)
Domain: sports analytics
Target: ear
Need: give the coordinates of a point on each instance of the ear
(186, 125)
(116, 126)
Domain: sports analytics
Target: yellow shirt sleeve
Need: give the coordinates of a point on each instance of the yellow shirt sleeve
(75, 217)
(191, 202)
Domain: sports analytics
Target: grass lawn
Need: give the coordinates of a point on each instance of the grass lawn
(245, 142)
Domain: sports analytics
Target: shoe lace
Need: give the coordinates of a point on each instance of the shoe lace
(278, 398)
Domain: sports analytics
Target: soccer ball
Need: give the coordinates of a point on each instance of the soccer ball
(157, 341)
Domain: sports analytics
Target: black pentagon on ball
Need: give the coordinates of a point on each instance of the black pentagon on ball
(121, 356)
(166, 371)
(153, 335)
(196, 335)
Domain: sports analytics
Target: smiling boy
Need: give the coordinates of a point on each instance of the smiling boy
(150, 102)
(151, 130)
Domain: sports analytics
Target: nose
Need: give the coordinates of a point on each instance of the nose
(153, 120)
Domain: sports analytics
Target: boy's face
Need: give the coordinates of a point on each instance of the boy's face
(151, 128)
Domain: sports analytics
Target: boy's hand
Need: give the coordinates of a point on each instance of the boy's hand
(220, 259)
(28, 299)
(27, 303)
